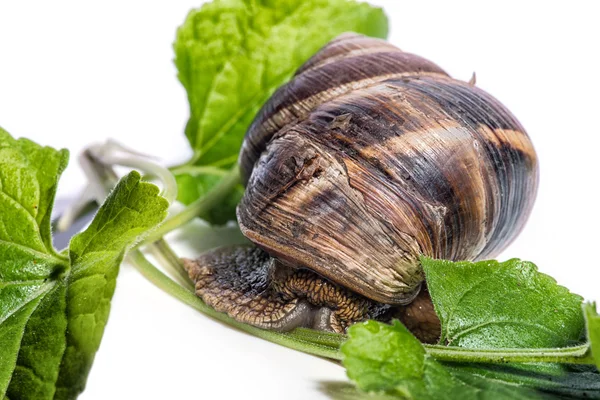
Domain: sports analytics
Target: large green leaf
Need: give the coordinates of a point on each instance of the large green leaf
(54, 307)
(489, 304)
(233, 54)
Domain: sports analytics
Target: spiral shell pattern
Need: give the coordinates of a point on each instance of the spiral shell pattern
(370, 157)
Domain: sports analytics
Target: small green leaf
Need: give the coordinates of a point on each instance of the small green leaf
(488, 304)
(28, 178)
(53, 307)
(232, 55)
(387, 358)
(380, 357)
(592, 321)
(133, 208)
(199, 181)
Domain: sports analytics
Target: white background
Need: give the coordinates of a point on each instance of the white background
(76, 72)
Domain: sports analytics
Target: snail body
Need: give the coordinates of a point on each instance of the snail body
(367, 159)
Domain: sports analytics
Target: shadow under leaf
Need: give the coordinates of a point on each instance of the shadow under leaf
(348, 391)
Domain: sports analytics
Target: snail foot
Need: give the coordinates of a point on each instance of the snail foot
(253, 288)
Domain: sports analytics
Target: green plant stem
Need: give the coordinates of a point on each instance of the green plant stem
(198, 170)
(307, 342)
(176, 169)
(197, 208)
(565, 355)
(168, 259)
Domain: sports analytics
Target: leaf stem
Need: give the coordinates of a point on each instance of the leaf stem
(169, 190)
(167, 257)
(566, 355)
(197, 208)
(311, 342)
(198, 170)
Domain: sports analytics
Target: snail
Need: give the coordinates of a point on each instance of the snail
(367, 159)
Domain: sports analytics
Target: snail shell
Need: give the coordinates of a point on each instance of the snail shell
(370, 157)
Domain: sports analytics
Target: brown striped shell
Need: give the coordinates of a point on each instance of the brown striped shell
(371, 156)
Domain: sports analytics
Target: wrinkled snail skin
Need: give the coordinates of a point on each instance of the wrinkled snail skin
(366, 159)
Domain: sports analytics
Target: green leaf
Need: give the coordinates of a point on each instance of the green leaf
(577, 381)
(197, 182)
(53, 307)
(488, 304)
(130, 210)
(28, 178)
(387, 358)
(592, 321)
(233, 54)
(380, 357)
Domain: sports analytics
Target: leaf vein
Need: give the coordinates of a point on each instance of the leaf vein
(34, 252)
(32, 296)
(507, 322)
